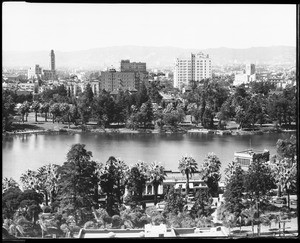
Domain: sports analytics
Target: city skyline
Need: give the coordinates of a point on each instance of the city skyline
(74, 27)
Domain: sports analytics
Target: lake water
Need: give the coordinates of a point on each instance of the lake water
(31, 151)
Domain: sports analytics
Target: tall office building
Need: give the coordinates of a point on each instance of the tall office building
(50, 74)
(52, 60)
(195, 67)
(250, 69)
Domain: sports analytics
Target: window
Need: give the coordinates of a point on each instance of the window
(244, 162)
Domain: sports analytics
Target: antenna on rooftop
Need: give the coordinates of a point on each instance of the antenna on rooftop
(250, 144)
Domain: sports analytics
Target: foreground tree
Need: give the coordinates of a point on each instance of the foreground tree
(234, 191)
(174, 202)
(156, 177)
(202, 206)
(285, 175)
(8, 183)
(48, 178)
(187, 166)
(112, 178)
(258, 182)
(211, 173)
(136, 182)
(77, 180)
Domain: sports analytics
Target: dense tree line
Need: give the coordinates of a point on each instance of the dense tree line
(208, 100)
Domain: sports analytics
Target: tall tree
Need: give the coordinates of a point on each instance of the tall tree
(44, 108)
(142, 95)
(54, 110)
(234, 191)
(24, 109)
(64, 109)
(145, 115)
(8, 106)
(174, 202)
(103, 108)
(187, 166)
(112, 178)
(259, 181)
(136, 182)
(8, 183)
(36, 107)
(156, 177)
(89, 93)
(77, 180)
(48, 178)
(211, 173)
(203, 204)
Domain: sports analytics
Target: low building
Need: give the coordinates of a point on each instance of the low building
(246, 157)
(26, 86)
(154, 231)
(174, 179)
(243, 79)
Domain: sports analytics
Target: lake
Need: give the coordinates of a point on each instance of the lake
(31, 151)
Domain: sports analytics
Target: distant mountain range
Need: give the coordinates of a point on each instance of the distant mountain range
(155, 57)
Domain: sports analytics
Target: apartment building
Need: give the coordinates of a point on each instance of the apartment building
(130, 77)
(113, 80)
(194, 67)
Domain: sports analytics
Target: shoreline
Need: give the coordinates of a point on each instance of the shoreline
(228, 132)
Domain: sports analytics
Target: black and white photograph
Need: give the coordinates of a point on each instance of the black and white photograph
(147, 120)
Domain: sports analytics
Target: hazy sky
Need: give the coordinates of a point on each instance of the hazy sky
(68, 27)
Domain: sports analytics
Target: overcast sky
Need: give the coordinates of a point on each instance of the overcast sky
(69, 27)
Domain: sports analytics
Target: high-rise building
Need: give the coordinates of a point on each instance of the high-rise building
(193, 68)
(52, 60)
(50, 74)
(250, 69)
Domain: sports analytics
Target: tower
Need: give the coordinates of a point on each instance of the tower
(52, 60)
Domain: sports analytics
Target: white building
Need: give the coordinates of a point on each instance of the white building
(195, 67)
(34, 72)
(248, 76)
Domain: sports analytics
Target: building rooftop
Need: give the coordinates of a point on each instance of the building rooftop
(252, 151)
(155, 231)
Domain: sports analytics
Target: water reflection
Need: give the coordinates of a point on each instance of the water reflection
(27, 151)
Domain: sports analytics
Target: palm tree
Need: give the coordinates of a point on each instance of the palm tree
(187, 166)
(229, 220)
(156, 177)
(48, 181)
(44, 180)
(29, 180)
(8, 183)
(250, 214)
